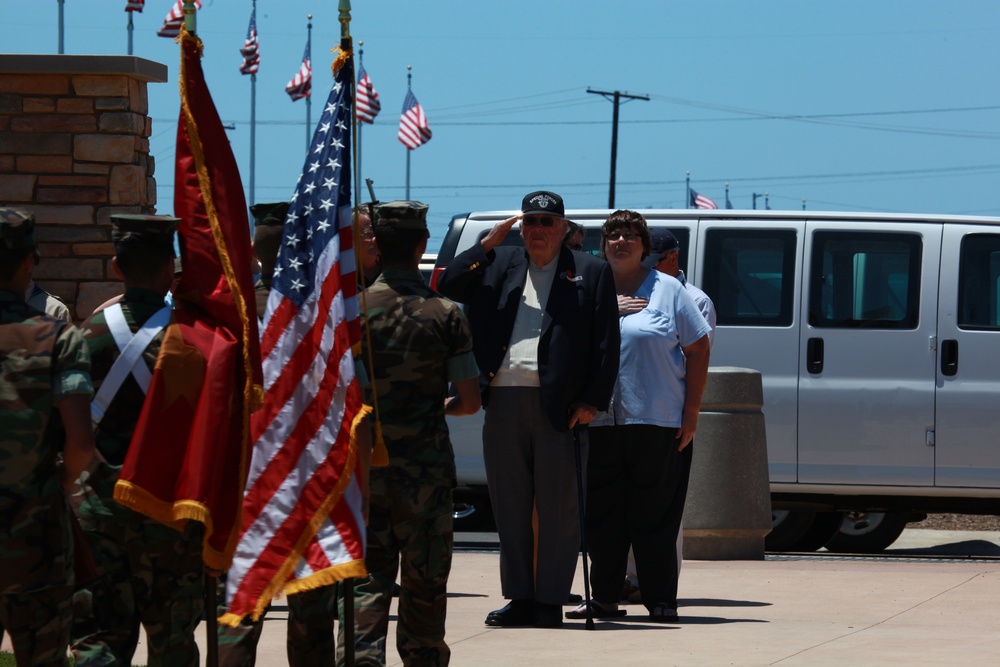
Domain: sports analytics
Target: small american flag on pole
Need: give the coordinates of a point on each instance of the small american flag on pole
(301, 84)
(251, 49)
(175, 19)
(368, 104)
(302, 520)
(134, 5)
(413, 128)
(701, 201)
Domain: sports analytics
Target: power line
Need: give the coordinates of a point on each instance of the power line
(785, 180)
(756, 117)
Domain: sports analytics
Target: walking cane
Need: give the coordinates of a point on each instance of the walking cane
(211, 621)
(583, 527)
(347, 621)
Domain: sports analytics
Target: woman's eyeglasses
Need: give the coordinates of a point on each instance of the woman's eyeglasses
(623, 236)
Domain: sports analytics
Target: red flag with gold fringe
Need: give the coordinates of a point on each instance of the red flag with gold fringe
(189, 454)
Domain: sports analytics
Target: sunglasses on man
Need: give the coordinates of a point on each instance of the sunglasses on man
(533, 220)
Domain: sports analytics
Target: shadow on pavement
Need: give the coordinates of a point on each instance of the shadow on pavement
(712, 602)
(964, 548)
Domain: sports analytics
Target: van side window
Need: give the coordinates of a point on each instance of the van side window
(750, 276)
(979, 282)
(865, 280)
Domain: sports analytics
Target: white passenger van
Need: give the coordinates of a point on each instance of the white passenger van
(878, 340)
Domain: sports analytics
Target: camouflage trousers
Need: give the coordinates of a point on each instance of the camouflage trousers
(150, 574)
(310, 641)
(38, 624)
(409, 531)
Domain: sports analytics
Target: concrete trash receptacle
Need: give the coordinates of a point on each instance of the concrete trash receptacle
(728, 508)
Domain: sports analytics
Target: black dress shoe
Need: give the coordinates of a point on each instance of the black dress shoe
(517, 612)
(548, 615)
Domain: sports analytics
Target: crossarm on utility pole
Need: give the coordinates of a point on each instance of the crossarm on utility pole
(616, 97)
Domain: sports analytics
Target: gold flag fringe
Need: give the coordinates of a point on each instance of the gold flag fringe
(341, 59)
(351, 569)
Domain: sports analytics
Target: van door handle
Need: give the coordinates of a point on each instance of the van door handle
(814, 355)
(949, 357)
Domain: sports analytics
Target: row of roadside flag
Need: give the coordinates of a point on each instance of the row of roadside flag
(171, 23)
(414, 130)
(252, 432)
(698, 200)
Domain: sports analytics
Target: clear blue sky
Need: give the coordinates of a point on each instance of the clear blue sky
(854, 105)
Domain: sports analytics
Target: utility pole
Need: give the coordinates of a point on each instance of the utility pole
(616, 97)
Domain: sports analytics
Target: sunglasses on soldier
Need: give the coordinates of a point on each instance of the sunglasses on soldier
(533, 220)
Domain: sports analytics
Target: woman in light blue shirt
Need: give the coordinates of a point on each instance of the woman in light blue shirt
(640, 449)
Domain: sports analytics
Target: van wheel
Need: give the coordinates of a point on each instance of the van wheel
(801, 530)
(787, 528)
(867, 532)
(824, 527)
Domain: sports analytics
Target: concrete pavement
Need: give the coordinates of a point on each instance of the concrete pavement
(938, 609)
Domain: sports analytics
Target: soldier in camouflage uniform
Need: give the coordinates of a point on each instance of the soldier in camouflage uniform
(268, 220)
(370, 265)
(45, 392)
(310, 640)
(150, 573)
(49, 304)
(420, 342)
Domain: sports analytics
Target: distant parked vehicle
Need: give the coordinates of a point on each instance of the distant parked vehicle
(878, 340)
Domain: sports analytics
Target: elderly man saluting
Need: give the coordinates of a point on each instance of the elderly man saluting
(545, 334)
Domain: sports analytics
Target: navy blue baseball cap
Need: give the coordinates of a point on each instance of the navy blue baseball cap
(661, 240)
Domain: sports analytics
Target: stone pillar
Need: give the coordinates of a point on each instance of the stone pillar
(74, 149)
(728, 509)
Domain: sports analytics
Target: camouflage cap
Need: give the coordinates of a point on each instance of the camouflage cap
(269, 215)
(401, 215)
(17, 229)
(151, 229)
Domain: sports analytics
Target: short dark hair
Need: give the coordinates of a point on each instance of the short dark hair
(140, 260)
(625, 219)
(397, 245)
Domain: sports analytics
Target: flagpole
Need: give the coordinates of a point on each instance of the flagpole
(309, 30)
(687, 185)
(253, 118)
(344, 8)
(130, 33)
(61, 5)
(357, 127)
(211, 620)
(409, 76)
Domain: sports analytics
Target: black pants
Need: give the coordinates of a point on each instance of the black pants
(636, 486)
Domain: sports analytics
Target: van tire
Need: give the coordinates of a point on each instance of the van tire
(867, 532)
(787, 528)
(825, 526)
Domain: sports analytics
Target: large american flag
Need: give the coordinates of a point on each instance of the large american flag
(701, 201)
(134, 5)
(413, 128)
(174, 19)
(367, 97)
(301, 84)
(251, 49)
(302, 521)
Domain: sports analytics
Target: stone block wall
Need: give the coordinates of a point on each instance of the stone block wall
(74, 149)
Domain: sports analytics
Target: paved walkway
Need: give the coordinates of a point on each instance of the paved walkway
(940, 610)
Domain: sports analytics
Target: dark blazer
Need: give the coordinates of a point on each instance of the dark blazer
(578, 350)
